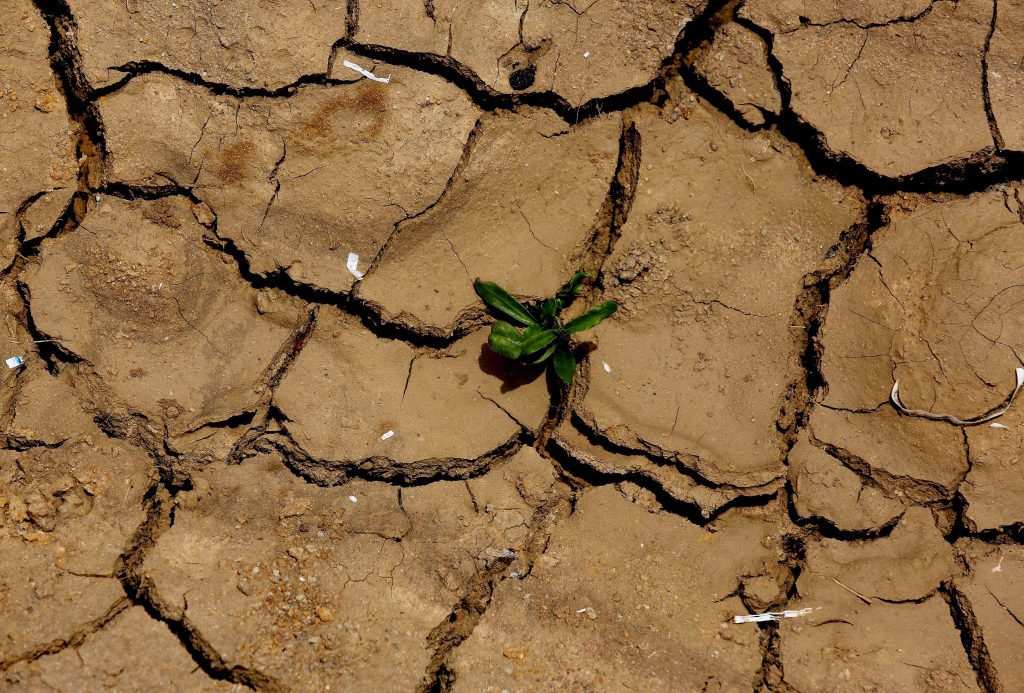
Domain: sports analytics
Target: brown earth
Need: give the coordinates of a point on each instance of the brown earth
(228, 461)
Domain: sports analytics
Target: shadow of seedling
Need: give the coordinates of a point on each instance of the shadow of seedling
(537, 336)
(511, 375)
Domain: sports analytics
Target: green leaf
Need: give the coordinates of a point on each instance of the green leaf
(592, 318)
(565, 364)
(551, 308)
(537, 340)
(506, 339)
(571, 289)
(501, 301)
(545, 355)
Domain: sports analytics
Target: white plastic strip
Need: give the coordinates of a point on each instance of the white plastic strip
(353, 265)
(365, 73)
(895, 397)
(770, 616)
(387, 435)
(14, 362)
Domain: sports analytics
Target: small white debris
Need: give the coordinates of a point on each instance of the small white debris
(999, 566)
(14, 362)
(387, 435)
(353, 499)
(365, 73)
(502, 553)
(353, 265)
(97, 198)
(586, 54)
(607, 368)
(998, 425)
(771, 616)
(580, 611)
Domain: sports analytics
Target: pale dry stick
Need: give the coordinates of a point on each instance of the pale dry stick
(974, 421)
(852, 591)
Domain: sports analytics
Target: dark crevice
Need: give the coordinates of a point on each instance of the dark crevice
(809, 313)
(79, 95)
(90, 147)
(141, 68)
(440, 675)
(379, 468)
(73, 640)
(918, 491)
(993, 125)
(579, 475)
(826, 528)
(489, 99)
(615, 209)
(962, 612)
(272, 376)
(351, 19)
(971, 174)
(771, 675)
(50, 350)
(698, 83)
(158, 504)
(598, 440)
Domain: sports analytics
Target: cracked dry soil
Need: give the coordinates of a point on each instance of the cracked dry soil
(795, 203)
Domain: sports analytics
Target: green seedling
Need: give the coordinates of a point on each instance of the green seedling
(542, 335)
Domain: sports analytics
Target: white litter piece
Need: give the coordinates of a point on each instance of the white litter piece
(607, 368)
(14, 362)
(353, 265)
(580, 611)
(999, 566)
(587, 54)
(998, 425)
(353, 499)
(771, 616)
(365, 73)
(387, 435)
(895, 397)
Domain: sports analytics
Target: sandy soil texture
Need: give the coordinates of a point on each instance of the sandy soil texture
(259, 441)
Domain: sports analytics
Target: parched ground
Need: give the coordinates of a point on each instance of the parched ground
(229, 460)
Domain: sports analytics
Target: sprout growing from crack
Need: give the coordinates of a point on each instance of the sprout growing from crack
(543, 336)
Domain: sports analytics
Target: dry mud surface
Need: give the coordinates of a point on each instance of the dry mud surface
(795, 203)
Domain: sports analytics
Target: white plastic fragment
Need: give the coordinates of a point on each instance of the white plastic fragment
(365, 73)
(607, 368)
(353, 265)
(586, 54)
(998, 425)
(387, 435)
(353, 499)
(771, 616)
(14, 362)
(999, 566)
(895, 397)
